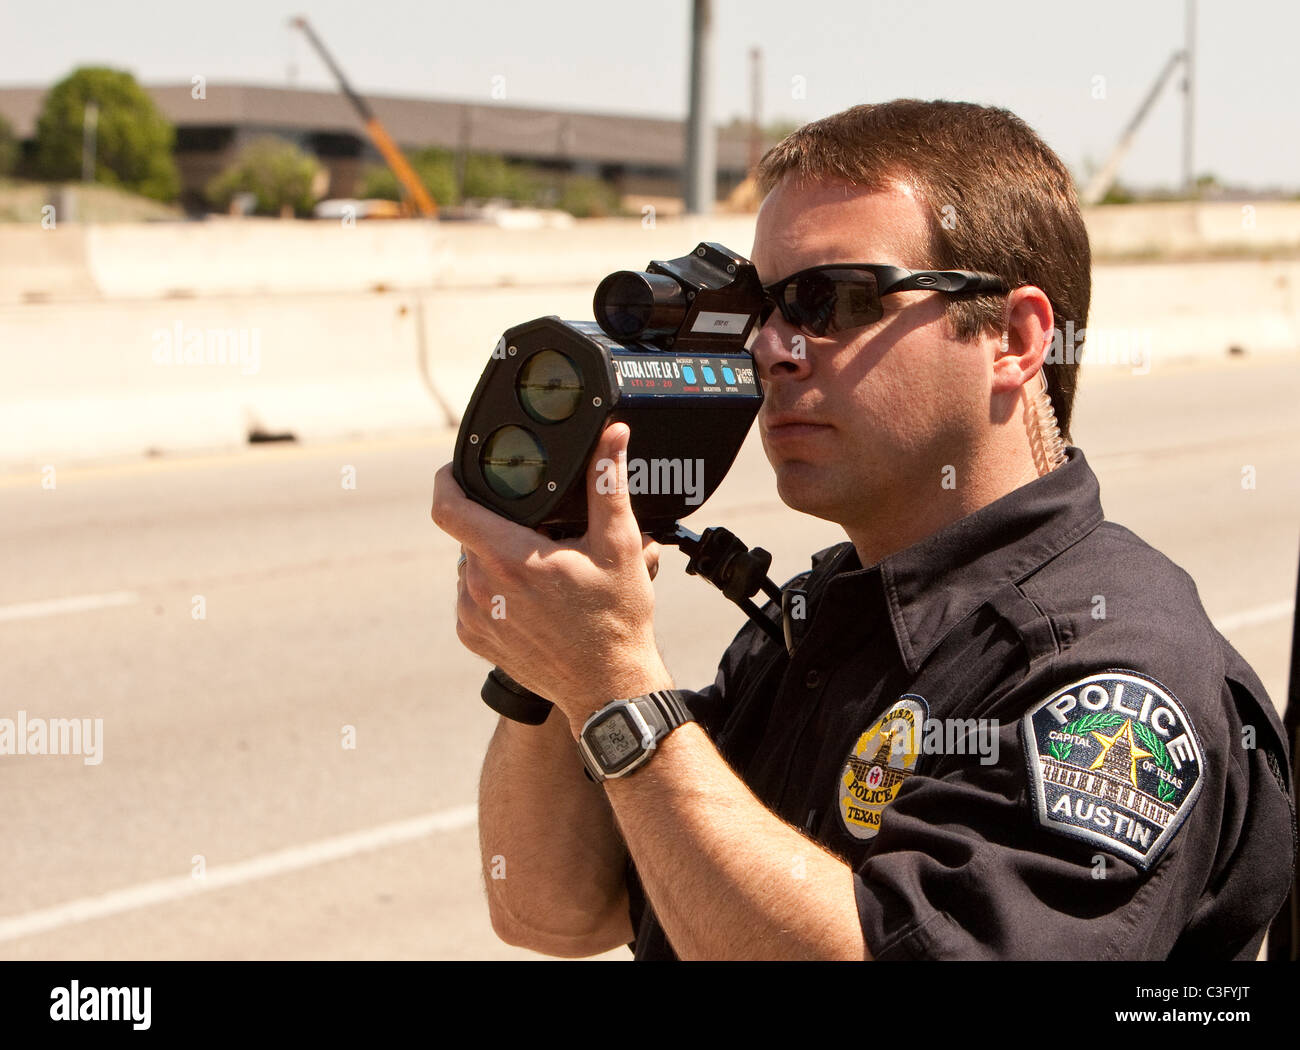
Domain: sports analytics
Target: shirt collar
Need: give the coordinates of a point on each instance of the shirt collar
(934, 584)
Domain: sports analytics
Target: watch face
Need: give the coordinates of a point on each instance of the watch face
(614, 740)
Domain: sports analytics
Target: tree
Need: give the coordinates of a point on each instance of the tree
(8, 147)
(1118, 193)
(779, 129)
(487, 175)
(133, 140)
(275, 171)
(435, 167)
(586, 197)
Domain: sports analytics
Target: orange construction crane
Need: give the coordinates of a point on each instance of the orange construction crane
(393, 157)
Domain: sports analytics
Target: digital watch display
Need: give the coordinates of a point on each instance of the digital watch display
(620, 737)
(617, 738)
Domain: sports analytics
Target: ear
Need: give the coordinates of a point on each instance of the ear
(1028, 324)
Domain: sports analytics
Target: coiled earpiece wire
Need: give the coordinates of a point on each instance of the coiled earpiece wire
(1045, 440)
(1045, 433)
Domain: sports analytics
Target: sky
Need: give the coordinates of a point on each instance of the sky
(1076, 72)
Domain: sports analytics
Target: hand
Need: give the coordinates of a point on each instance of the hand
(572, 621)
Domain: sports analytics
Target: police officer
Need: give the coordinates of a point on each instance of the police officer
(1001, 727)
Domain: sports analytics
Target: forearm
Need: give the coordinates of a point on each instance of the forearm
(553, 860)
(727, 878)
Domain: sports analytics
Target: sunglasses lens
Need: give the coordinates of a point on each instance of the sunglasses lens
(826, 301)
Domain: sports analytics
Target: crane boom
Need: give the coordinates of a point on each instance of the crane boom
(1101, 182)
(383, 142)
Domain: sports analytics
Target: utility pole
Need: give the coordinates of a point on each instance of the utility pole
(755, 108)
(701, 140)
(89, 125)
(462, 149)
(1189, 97)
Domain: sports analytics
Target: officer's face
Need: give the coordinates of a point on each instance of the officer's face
(862, 423)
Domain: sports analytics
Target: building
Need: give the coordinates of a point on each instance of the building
(641, 156)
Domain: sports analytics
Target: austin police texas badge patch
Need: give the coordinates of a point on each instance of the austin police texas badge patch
(880, 761)
(1114, 760)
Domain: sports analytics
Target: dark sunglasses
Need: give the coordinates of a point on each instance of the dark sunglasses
(839, 296)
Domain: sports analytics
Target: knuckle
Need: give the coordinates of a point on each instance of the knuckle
(467, 636)
(438, 511)
(476, 586)
(467, 611)
(546, 568)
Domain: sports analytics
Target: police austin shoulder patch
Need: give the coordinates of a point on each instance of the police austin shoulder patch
(1113, 760)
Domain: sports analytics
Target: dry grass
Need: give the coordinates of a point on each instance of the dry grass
(22, 201)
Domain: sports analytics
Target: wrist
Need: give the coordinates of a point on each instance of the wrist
(638, 682)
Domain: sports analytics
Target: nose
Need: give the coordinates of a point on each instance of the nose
(780, 350)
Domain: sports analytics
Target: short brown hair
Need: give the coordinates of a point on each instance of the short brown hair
(999, 201)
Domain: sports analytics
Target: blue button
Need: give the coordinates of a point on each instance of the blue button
(709, 377)
(688, 373)
(728, 376)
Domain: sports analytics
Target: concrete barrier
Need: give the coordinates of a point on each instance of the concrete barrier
(106, 379)
(270, 257)
(39, 265)
(1204, 310)
(1188, 229)
(125, 372)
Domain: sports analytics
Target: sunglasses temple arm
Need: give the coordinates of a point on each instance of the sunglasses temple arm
(951, 281)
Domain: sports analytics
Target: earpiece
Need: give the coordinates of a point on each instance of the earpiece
(1045, 433)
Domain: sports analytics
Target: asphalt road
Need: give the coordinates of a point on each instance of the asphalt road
(227, 819)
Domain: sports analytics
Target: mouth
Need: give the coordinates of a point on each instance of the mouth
(789, 426)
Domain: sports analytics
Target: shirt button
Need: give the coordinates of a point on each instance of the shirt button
(813, 679)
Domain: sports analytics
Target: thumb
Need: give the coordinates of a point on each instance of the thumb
(611, 525)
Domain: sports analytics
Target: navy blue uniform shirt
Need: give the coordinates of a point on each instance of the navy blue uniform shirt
(1024, 736)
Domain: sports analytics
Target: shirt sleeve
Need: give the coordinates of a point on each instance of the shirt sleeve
(1041, 853)
(749, 654)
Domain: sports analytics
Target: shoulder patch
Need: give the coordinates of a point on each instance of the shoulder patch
(1114, 760)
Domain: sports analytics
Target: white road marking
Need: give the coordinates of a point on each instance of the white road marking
(1251, 617)
(266, 866)
(77, 603)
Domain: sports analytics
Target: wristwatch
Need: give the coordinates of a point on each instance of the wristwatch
(620, 738)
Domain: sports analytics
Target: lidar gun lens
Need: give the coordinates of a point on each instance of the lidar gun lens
(633, 305)
(513, 462)
(549, 387)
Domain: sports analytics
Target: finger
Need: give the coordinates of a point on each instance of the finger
(478, 529)
(650, 551)
(611, 526)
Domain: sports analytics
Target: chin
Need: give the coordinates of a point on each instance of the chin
(809, 490)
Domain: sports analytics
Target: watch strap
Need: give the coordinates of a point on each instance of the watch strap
(664, 711)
